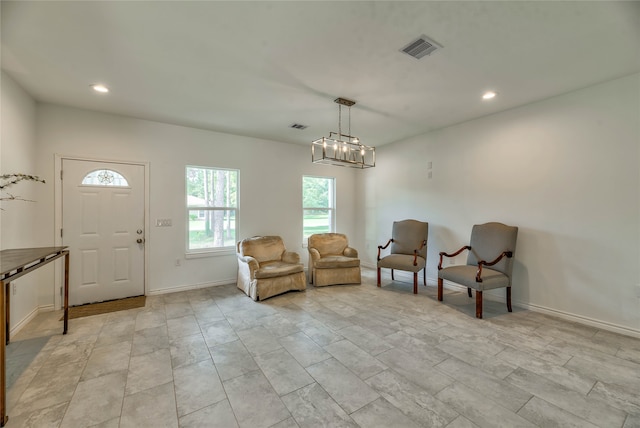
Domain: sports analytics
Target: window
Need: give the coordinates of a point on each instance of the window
(105, 177)
(212, 208)
(318, 205)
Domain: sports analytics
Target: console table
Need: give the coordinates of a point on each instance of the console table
(14, 264)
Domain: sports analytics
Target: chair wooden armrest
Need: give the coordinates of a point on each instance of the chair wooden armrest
(507, 254)
(442, 253)
(415, 252)
(382, 247)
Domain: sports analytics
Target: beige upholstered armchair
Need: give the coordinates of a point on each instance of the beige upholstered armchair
(408, 250)
(492, 245)
(332, 261)
(266, 268)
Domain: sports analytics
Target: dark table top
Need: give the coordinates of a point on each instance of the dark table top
(11, 260)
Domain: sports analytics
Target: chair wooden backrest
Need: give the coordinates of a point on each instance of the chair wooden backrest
(488, 241)
(408, 235)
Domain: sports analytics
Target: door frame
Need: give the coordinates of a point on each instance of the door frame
(57, 190)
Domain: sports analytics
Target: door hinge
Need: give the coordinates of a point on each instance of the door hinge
(61, 233)
(60, 174)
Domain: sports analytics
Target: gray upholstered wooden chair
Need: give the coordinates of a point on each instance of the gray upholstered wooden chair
(492, 245)
(408, 250)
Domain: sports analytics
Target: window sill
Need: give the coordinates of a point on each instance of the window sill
(210, 253)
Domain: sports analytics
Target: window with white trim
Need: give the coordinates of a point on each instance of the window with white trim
(318, 205)
(212, 208)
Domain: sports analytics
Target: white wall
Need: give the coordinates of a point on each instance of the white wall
(270, 184)
(565, 170)
(17, 155)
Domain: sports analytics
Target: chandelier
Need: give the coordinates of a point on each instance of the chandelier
(343, 149)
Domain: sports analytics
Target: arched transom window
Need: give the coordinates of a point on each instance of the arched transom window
(105, 177)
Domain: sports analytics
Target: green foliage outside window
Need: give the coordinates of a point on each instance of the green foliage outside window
(212, 202)
(318, 205)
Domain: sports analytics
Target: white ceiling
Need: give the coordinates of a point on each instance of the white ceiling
(255, 68)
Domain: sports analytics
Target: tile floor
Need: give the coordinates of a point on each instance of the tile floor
(341, 356)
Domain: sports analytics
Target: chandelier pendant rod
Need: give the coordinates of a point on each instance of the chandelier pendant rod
(339, 122)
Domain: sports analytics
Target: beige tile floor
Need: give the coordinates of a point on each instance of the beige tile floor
(341, 356)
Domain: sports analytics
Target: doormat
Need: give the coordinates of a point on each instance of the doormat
(106, 307)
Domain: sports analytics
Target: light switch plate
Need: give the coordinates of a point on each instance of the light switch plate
(163, 222)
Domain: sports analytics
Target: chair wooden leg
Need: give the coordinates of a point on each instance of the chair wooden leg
(440, 286)
(392, 277)
(509, 299)
(424, 276)
(469, 291)
(378, 277)
(478, 304)
(415, 283)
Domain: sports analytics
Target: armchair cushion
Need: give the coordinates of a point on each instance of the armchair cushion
(466, 275)
(328, 243)
(275, 269)
(402, 262)
(263, 248)
(333, 262)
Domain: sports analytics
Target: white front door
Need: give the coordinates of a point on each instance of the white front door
(103, 226)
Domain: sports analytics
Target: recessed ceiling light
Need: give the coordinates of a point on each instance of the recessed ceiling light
(489, 95)
(98, 87)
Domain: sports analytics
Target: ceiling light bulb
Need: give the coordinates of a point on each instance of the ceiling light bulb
(488, 95)
(100, 88)
(356, 140)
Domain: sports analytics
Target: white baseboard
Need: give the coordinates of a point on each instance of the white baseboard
(46, 308)
(401, 275)
(602, 325)
(191, 287)
(24, 321)
(592, 322)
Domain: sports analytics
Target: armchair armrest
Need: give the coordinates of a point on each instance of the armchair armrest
(507, 254)
(314, 254)
(443, 254)
(291, 257)
(350, 252)
(250, 262)
(382, 247)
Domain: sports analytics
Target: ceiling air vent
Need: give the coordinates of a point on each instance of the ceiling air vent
(421, 47)
(298, 126)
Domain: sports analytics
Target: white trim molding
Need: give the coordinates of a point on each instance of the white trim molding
(189, 287)
(57, 191)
